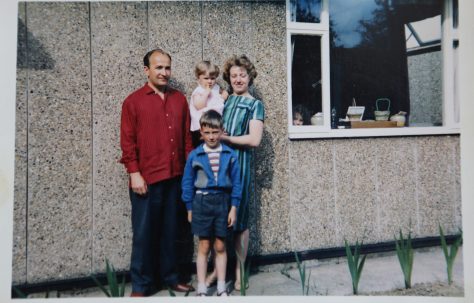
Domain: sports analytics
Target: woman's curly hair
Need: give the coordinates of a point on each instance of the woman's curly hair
(242, 61)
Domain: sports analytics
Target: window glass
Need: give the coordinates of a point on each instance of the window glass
(308, 11)
(390, 50)
(306, 79)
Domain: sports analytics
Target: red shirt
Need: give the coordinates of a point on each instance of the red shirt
(155, 134)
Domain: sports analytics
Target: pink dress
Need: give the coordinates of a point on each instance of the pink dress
(214, 101)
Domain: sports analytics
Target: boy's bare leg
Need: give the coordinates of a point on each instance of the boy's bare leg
(201, 263)
(241, 246)
(213, 275)
(220, 263)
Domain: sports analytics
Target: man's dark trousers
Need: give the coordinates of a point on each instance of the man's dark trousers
(154, 235)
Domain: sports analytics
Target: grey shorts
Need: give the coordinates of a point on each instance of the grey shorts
(210, 212)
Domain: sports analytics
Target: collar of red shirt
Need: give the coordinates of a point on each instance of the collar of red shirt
(151, 90)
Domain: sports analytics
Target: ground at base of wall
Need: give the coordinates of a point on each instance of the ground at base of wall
(381, 276)
(437, 289)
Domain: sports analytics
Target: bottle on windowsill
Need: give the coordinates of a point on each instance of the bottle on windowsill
(333, 118)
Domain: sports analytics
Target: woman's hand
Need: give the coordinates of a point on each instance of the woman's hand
(253, 139)
(232, 216)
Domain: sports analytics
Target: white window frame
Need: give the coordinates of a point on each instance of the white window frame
(450, 125)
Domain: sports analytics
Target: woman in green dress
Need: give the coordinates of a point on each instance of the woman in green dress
(243, 123)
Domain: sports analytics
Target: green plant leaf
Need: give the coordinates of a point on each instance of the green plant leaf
(101, 287)
(171, 292)
(19, 293)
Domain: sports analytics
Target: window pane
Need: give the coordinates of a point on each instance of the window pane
(306, 78)
(387, 49)
(305, 11)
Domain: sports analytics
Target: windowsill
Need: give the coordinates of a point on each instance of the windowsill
(310, 132)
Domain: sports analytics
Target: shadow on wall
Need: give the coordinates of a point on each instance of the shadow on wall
(264, 159)
(174, 83)
(38, 59)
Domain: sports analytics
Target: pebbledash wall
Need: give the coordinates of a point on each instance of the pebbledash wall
(77, 61)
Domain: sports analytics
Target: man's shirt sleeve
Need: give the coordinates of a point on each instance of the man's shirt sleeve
(128, 138)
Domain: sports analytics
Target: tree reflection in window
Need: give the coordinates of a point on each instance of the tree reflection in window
(369, 58)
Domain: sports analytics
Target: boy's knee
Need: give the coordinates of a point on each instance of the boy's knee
(204, 245)
(219, 246)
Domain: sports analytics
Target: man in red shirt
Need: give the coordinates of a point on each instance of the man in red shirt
(155, 140)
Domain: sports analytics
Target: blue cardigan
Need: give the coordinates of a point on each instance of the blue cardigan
(198, 175)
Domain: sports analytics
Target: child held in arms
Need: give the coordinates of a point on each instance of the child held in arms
(211, 185)
(207, 95)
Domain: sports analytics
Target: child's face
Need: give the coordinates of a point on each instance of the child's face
(297, 119)
(211, 136)
(206, 80)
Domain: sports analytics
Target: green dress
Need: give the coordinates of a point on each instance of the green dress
(238, 111)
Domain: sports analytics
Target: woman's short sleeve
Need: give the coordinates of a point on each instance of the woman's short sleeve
(258, 111)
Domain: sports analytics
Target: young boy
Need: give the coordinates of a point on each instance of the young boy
(210, 181)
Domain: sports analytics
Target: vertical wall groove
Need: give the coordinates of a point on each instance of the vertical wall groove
(27, 135)
(92, 142)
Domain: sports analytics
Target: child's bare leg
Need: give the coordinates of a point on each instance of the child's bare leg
(213, 275)
(220, 263)
(241, 246)
(201, 263)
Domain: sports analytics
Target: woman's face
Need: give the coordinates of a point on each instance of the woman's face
(239, 80)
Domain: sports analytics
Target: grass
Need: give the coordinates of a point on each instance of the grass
(451, 254)
(355, 263)
(115, 289)
(405, 257)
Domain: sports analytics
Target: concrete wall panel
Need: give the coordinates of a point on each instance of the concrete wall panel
(355, 164)
(396, 197)
(271, 231)
(59, 141)
(176, 28)
(227, 30)
(119, 42)
(312, 200)
(21, 151)
(437, 184)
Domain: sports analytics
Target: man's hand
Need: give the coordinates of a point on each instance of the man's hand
(138, 183)
(232, 216)
(190, 216)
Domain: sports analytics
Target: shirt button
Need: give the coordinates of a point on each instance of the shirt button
(171, 140)
(172, 153)
(169, 127)
(166, 115)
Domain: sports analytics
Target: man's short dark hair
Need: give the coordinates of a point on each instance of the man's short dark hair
(146, 59)
(211, 119)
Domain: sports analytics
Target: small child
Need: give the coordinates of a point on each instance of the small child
(300, 115)
(206, 96)
(210, 181)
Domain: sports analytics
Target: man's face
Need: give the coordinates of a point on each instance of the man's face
(159, 71)
(211, 136)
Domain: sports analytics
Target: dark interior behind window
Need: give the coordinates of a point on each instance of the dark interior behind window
(369, 55)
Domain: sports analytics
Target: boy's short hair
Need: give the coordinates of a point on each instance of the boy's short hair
(211, 119)
(204, 67)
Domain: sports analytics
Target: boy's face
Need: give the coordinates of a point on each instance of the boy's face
(206, 80)
(211, 136)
